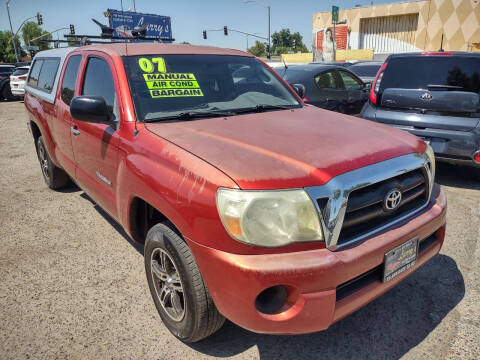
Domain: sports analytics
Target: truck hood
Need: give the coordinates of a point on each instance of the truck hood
(287, 148)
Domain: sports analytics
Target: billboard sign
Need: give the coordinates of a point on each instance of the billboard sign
(123, 22)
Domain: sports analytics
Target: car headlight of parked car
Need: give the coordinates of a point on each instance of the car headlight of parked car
(269, 218)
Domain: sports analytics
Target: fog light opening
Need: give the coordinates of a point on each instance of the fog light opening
(272, 299)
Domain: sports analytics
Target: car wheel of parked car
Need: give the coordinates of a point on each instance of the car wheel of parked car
(54, 177)
(177, 287)
(6, 93)
(476, 173)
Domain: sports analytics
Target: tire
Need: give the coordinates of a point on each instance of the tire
(476, 173)
(54, 177)
(195, 316)
(7, 93)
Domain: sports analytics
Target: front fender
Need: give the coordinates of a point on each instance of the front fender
(176, 183)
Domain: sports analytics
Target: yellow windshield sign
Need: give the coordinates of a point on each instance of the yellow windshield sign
(175, 93)
(164, 84)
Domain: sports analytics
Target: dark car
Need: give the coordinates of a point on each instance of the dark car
(338, 63)
(434, 96)
(5, 72)
(366, 70)
(330, 87)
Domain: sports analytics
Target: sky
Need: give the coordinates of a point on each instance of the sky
(189, 17)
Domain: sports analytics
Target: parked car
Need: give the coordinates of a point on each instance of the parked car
(434, 96)
(345, 64)
(366, 70)
(281, 217)
(330, 87)
(17, 81)
(5, 72)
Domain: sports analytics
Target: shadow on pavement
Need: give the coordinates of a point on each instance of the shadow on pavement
(115, 225)
(385, 329)
(457, 176)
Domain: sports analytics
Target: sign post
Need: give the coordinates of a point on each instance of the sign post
(334, 21)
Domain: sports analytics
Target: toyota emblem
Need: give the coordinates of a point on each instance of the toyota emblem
(392, 200)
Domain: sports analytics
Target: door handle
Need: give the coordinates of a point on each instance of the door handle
(74, 131)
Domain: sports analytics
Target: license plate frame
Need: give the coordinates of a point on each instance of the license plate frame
(400, 259)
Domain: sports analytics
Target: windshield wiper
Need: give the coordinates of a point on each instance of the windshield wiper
(189, 115)
(261, 108)
(439, 86)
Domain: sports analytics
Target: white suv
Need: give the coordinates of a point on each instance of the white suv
(17, 80)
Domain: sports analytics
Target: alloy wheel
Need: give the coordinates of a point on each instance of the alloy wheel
(42, 154)
(167, 283)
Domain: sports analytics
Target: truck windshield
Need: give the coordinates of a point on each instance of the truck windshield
(165, 86)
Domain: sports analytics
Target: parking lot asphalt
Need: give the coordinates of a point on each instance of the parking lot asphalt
(72, 284)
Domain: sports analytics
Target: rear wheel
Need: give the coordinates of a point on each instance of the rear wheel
(476, 173)
(54, 177)
(7, 93)
(177, 287)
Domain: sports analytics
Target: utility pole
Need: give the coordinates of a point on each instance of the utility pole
(269, 45)
(268, 14)
(11, 29)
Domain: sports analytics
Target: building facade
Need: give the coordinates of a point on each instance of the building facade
(402, 27)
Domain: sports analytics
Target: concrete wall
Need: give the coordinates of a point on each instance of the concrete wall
(457, 20)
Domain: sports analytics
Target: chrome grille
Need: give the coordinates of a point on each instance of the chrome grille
(348, 203)
(365, 209)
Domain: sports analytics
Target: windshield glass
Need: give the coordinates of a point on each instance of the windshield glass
(365, 70)
(459, 73)
(167, 85)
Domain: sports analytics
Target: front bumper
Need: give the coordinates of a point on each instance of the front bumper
(313, 277)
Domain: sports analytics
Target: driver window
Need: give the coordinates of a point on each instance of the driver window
(98, 81)
(350, 82)
(326, 80)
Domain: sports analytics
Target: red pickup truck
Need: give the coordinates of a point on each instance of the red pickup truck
(282, 217)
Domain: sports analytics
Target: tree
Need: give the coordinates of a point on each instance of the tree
(31, 31)
(282, 42)
(259, 49)
(7, 51)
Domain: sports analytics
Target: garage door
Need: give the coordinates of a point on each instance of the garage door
(389, 34)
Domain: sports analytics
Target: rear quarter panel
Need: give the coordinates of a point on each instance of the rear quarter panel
(42, 114)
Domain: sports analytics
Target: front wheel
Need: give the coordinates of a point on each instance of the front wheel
(177, 287)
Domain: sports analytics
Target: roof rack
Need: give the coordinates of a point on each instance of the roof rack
(107, 34)
(81, 40)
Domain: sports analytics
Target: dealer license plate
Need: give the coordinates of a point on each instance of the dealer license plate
(400, 259)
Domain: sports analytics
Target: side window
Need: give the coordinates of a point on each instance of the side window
(326, 80)
(48, 74)
(98, 81)
(350, 82)
(33, 78)
(69, 78)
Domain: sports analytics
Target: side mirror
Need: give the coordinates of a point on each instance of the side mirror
(299, 89)
(91, 109)
(368, 86)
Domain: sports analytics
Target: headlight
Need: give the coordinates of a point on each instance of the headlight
(269, 218)
(431, 159)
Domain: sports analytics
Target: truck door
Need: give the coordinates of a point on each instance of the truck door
(63, 121)
(95, 146)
